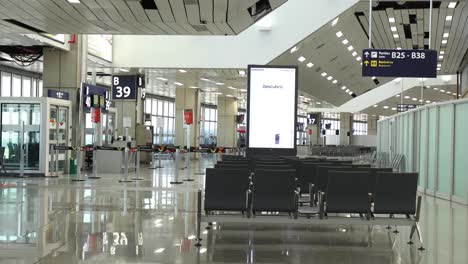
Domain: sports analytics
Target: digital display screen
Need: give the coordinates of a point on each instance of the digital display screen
(272, 107)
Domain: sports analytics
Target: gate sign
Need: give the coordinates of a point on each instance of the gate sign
(95, 96)
(188, 116)
(313, 119)
(399, 63)
(124, 87)
(405, 107)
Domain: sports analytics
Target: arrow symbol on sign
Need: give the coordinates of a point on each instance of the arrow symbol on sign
(366, 63)
(366, 54)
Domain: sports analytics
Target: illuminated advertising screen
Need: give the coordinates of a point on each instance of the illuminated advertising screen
(272, 100)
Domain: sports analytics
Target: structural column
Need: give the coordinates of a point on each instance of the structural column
(187, 99)
(372, 125)
(65, 71)
(346, 126)
(315, 138)
(227, 126)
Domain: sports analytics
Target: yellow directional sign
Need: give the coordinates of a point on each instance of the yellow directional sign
(366, 63)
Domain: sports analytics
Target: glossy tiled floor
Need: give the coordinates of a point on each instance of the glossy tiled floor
(151, 221)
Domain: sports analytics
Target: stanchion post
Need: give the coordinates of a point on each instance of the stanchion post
(52, 161)
(137, 165)
(176, 180)
(78, 166)
(199, 210)
(125, 154)
(21, 138)
(187, 158)
(95, 168)
(200, 171)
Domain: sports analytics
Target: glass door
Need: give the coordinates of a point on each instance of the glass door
(17, 118)
(58, 136)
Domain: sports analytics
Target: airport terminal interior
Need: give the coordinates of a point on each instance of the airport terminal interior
(233, 131)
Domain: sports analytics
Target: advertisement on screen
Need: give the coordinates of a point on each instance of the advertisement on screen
(272, 97)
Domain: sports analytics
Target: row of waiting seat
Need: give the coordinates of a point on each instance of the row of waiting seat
(253, 185)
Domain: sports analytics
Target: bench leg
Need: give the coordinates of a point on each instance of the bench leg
(418, 230)
(413, 228)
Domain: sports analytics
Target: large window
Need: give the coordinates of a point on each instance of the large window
(208, 125)
(19, 86)
(330, 123)
(359, 124)
(301, 130)
(162, 118)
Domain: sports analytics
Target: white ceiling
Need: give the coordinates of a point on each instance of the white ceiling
(328, 53)
(172, 17)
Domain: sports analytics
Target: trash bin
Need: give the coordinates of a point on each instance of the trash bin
(73, 166)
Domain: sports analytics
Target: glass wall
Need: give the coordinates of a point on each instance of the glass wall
(14, 85)
(208, 125)
(302, 130)
(162, 118)
(359, 124)
(330, 123)
(433, 141)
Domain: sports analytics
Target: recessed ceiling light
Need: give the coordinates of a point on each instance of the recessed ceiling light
(205, 79)
(394, 108)
(385, 107)
(334, 81)
(391, 19)
(435, 88)
(335, 21)
(232, 88)
(124, 70)
(448, 18)
(294, 49)
(397, 95)
(343, 88)
(441, 57)
(452, 5)
(350, 92)
(444, 41)
(319, 103)
(442, 52)
(373, 77)
(228, 95)
(446, 35)
(193, 87)
(161, 78)
(438, 69)
(358, 59)
(74, 1)
(398, 48)
(301, 59)
(241, 72)
(339, 34)
(347, 90)
(442, 90)
(354, 53)
(394, 29)
(407, 97)
(182, 71)
(454, 94)
(420, 100)
(178, 83)
(439, 65)
(428, 101)
(345, 41)
(220, 83)
(376, 105)
(243, 90)
(310, 64)
(350, 48)
(414, 99)
(329, 78)
(448, 92)
(396, 36)
(324, 74)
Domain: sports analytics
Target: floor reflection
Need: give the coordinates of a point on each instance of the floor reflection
(150, 221)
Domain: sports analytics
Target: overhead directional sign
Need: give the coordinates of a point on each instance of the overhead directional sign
(124, 87)
(399, 63)
(405, 107)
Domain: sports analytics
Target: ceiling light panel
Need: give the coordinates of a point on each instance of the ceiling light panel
(452, 4)
(310, 64)
(335, 21)
(339, 34)
(294, 49)
(301, 59)
(345, 41)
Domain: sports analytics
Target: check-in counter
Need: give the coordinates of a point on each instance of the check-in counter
(112, 161)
